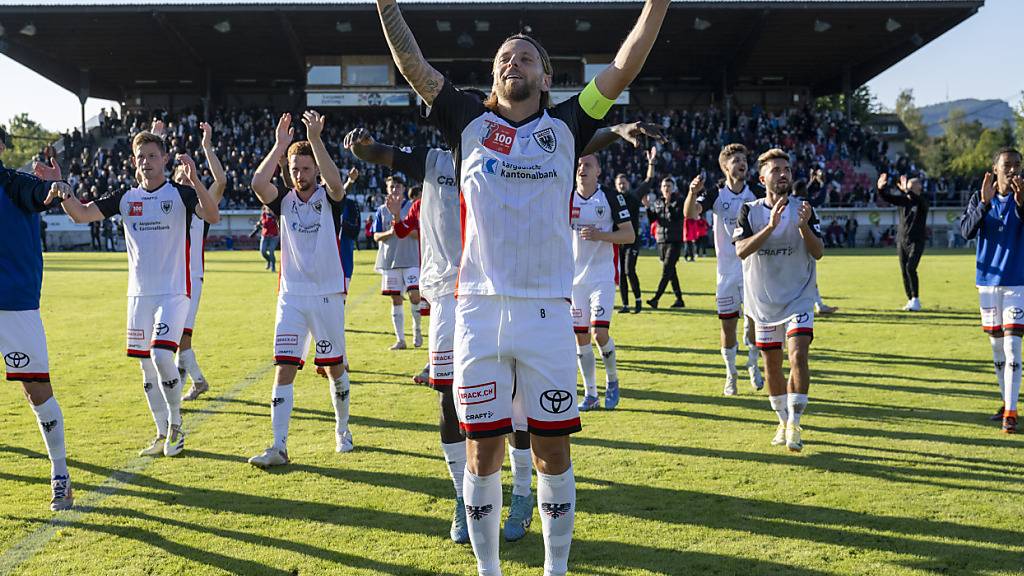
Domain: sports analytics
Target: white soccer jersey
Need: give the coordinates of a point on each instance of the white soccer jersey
(157, 232)
(516, 179)
(198, 230)
(596, 261)
(780, 279)
(394, 252)
(725, 204)
(437, 216)
(310, 250)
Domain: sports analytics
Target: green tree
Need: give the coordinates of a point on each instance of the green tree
(978, 157)
(28, 137)
(908, 113)
(1018, 117)
(863, 103)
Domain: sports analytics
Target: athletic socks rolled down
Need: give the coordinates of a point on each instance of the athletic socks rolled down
(556, 497)
(780, 404)
(797, 405)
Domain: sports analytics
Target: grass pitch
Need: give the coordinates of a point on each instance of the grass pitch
(901, 473)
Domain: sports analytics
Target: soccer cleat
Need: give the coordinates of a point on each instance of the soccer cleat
(422, 377)
(913, 305)
(1010, 425)
(624, 309)
(63, 498)
(637, 307)
(520, 515)
(417, 339)
(156, 448)
(196, 390)
(730, 385)
(589, 403)
(793, 441)
(460, 529)
(611, 395)
(780, 435)
(679, 303)
(175, 442)
(999, 414)
(756, 379)
(399, 345)
(343, 442)
(653, 303)
(270, 457)
(825, 309)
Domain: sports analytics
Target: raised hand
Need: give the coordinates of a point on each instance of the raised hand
(632, 131)
(697, 184)
(1017, 185)
(777, 210)
(44, 172)
(902, 186)
(988, 188)
(207, 142)
(353, 174)
(360, 136)
(803, 214)
(285, 132)
(883, 181)
(158, 127)
(58, 191)
(394, 204)
(189, 167)
(652, 155)
(314, 124)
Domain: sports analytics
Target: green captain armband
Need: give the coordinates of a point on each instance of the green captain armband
(594, 103)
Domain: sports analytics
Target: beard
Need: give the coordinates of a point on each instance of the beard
(784, 189)
(303, 186)
(518, 92)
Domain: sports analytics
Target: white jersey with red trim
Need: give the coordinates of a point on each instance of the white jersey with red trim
(157, 234)
(596, 260)
(310, 250)
(725, 204)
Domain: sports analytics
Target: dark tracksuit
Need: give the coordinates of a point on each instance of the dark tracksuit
(629, 254)
(911, 234)
(669, 217)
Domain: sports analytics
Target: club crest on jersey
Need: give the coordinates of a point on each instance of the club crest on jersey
(317, 206)
(135, 208)
(166, 206)
(546, 139)
(498, 137)
(599, 210)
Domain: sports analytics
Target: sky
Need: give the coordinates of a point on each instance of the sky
(977, 59)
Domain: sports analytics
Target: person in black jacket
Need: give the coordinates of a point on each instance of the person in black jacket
(667, 211)
(912, 231)
(630, 253)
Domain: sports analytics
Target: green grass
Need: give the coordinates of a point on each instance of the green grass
(901, 473)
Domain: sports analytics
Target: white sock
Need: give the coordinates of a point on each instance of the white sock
(170, 383)
(415, 308)
(51, 425)
(1012, 347)
(556, 494)
(588, 368)
(483, 517)
(611, 372)
(729, 355)
(281, 414)
(340, 399)
(999, 360)
(780, 404)
(157, 404)
(187, 360)
(522, 470)
(797, 405)
(455, 458)
(751, 347)
(398, 321)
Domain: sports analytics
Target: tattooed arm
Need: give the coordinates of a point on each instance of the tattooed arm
(423, 78)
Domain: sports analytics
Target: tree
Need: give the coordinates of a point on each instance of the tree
(28, 137)
(1018, 117)
(863, 103)
(908, 113)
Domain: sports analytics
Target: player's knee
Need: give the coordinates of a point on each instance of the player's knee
(285, 374)
(37, 392)
(601, 335)
(162, 357)
(484, 456)
(396, 299)
(798, 355)
(582, 338)
(551, 454)
(414, 296)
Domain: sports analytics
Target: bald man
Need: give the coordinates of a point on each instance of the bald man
(912, 231)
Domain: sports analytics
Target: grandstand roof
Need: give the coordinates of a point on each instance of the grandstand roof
(117, 47)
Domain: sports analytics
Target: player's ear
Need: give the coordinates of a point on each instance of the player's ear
(545, 83)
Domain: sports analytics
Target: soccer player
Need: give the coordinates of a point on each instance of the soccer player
(22, 339)
(310, 298)
(724, 204)
(780, 243)
(994, 216)
(600, 221)
(398, 262)
(514, 157)
(157, 215)
(912, 232)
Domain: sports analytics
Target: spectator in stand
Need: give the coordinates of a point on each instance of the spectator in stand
(269, 237)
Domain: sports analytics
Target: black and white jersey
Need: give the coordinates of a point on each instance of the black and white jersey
(725, 205)
(596, 261)
(310, 248)
(516, 180)
(157, 232)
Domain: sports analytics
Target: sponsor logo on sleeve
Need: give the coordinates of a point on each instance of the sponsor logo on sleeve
(623, 213)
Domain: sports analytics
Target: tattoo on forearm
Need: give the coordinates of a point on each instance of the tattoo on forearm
(407, 53)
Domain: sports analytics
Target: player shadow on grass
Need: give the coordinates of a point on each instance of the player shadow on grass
(971, 366)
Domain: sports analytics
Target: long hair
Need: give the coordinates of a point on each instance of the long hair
(491, 103)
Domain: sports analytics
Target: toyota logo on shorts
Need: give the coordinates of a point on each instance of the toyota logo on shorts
(162, 329)
(1017, 313)
(16, 360)
(555, 401)
(323, 347)
(801, 318)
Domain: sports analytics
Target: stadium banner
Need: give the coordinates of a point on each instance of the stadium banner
(358, 99)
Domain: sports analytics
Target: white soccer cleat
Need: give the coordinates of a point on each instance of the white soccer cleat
(271, 457)
(756, 379)
(175, 442)
(793, 441)
(154, 449)
(400, 345)
(63, 496)
(417, 339)
(913, 305)
(343, 442)
(780, 435)
(730, 385)
(196, 390)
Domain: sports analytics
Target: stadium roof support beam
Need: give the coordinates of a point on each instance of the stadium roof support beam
(739, 57)
(176, 37)
(298, 55)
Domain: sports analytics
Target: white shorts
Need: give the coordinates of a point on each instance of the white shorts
(771, 336)
(592, 305)
(298, 317)
(442, 342)
(1002, 309)
(399, 280)
(23, 346)
(193, 308)
(155, 322)
(515, 366)
(729, 296)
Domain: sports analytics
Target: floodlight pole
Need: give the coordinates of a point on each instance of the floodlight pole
(848, 92)
(83, 95)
